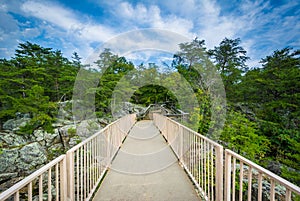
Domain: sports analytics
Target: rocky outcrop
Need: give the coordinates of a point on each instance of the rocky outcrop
(23, 154)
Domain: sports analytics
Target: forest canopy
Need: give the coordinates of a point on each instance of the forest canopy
(263, 114)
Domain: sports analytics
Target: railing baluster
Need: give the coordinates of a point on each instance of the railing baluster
(249, 182)
(259, 193)
(93, 162)
(81, 173)
(241, 181)
(49, 185)
(212, 171)
(227, 176)
(41, 187)
(84, 172)
(219, 173)
(63, 179)
(78, 173)
(57, 182)
(17, 196)
(208, 171)
(29, 191)
(204, 166)
(288, 195)
(272, 194)
(70, 175)
(199, 160)
(233, 178)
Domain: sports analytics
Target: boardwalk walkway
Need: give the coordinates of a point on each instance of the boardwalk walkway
(145, 169)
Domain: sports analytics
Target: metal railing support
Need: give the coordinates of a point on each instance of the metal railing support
(63, 181)
(70, 175)
(203, 160)
(227, 176)
(219, 173)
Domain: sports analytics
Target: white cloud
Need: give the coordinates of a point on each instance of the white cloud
(152, 17)
(261, 26)
(67, 20)
(214, 27)
(51, 13)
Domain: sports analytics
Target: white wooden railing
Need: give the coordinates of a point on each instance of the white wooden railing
(201, 157)
(88, 161)
(54, 174)
(245, 180)
(203, 160)
(76, 175)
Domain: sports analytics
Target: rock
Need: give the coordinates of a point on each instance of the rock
(11, 139)
(87, 128)
(39, 135)
(7, 183)
(65, 110)
(45, 138)
(274, 167)
(8, 160)
(55, 150)
(74, 141)
(15, 124)
(6, 176)
(31, 156)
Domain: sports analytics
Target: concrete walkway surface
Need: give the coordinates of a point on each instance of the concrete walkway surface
(145, 169)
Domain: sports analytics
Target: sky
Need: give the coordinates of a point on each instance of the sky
(82, 26)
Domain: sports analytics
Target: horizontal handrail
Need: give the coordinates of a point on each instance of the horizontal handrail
(88, 161)
(78, 173)
(23, 183)
(262, 174)
(201, 157)
(79, 168)
(206, 156)
(92, 136)
(265, 171)
(196, 134)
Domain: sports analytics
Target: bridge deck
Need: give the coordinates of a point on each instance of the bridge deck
(146, 169)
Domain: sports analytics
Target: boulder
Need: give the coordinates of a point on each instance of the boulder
(8, 160)
(15, 124)
(12, 139)
(87, 128)
(31, 156)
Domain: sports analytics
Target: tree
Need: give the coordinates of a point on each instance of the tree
(273, 93)
(76, 60)
(230, 59)
(243, 136)
(112, 68)
(32, 81)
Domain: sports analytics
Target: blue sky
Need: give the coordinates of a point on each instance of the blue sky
(81, 26)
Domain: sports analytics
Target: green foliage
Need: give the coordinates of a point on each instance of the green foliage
(230, 59)
(112, 68)
(242, 135)
(273, 94)
(31, 83)
(267, 127)
(72, 131)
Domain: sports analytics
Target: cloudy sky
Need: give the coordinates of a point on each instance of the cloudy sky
(81, 26)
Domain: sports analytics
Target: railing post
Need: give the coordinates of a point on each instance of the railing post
(219, 173)
(227, 176)
(181, 143)
(63, 180)
(70, 175)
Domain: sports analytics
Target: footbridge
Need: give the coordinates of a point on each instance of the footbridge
(156, 159)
